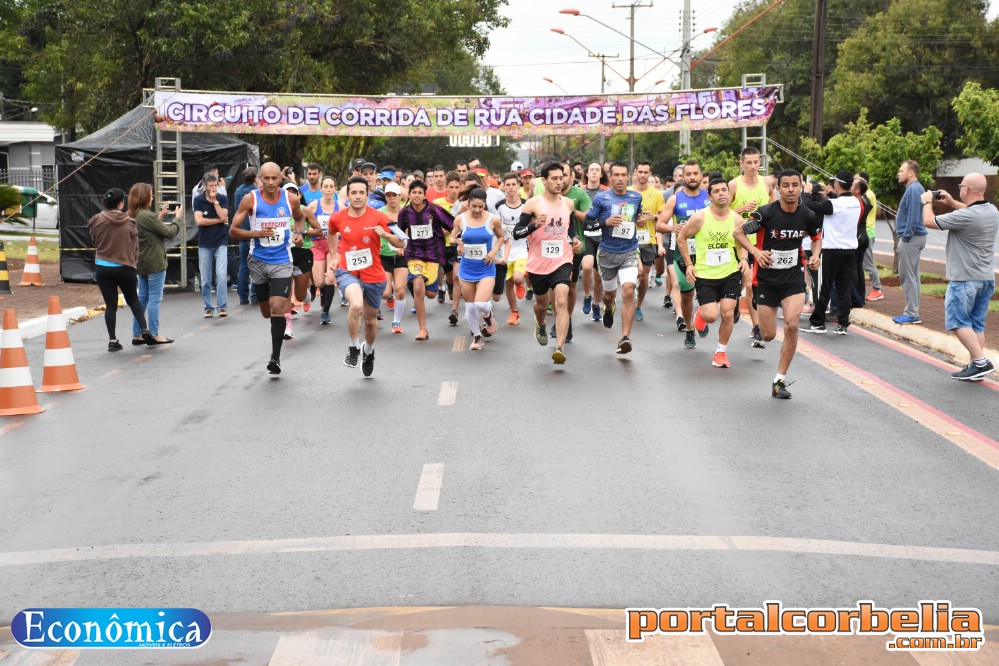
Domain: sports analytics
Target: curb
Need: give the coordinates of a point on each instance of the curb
(937, 341)
(39, 325)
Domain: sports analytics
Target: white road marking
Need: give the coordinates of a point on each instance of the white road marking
(428, 493)
(459, 344)
(343, 647)
(608, 648)
(448, 394)
(656, 542)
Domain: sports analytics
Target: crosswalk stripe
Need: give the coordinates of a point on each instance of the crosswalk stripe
(608, 647)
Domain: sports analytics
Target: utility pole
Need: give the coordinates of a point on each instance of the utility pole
(631, 71)
(818, 71)
(685, 72)
(603, 82)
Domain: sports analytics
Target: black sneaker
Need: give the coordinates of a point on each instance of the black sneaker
(667, 302)
(690, 339)
(568, 336)
(680, 323)
(841, 330)
(453, 318)
(821, 328)
(274, 365)
(541, 335)
(440, 296)
(114, 345)
(974, 373)
(609, 314)
(529, 296)
(758, 338)
(780, 390)
(352, 354)
(624, 345)
(368, 364)
(380, 316)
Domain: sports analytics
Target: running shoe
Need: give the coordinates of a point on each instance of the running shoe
(596, 313)
(381, 317)
(324, 319)
(758, 338)
(638, 315)
(700, 325)
(974, 373)
(667, 302)
(453, 318)
(520, 290)
(288, 333)
(397, 327)
(659, 281)
(541, 335)
(906, 319)
(490, 326)
(209, 314)
(807, 310)
(689, 339)
(720, 360)
(840, 329)
(779, 390)
(412, 310)
(306, 306)
(274, 365)
(609, 314)
(551, 333)
(343, 302)
(368, 364)
(223, 313)
(477, 343)
(681, 325)
(551, 308)
(875, 295)
(514, 318)
(624, 345)
(440, 296)
(587, 304)
(353, 353)
(816, 328)
(529, 295)
(558, 356)
(390, 301)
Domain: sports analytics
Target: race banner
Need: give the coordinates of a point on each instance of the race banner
(336, 115)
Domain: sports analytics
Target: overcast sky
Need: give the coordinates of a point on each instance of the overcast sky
(527, 51)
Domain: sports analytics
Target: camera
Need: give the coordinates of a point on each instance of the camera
(937, 195)
(172, 206)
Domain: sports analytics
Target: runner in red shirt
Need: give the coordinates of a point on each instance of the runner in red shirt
(359, 273)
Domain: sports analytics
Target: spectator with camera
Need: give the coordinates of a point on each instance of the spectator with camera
(972, 225)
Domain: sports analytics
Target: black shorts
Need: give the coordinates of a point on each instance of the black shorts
(577, 263)
(302, 259)
(542, 284)
(500, 280)
(592, 244)
(450, 257)
(713, 291)
(648, 254)
(392, 262)
(670, 256)
(771, 296)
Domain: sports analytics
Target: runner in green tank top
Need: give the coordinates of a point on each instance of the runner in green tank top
(750, 192)
(717, 277)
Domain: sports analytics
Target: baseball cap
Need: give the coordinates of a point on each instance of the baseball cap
(527, 172)
(369, 166)
(845, 177)
(358, 163)
(516, 166)
(393, 188)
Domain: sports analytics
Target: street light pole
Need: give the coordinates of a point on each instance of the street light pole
(685, 73)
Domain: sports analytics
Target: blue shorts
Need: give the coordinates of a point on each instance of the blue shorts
(967, 303)
(373, 291)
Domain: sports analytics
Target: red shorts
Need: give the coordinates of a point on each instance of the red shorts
(319, 249)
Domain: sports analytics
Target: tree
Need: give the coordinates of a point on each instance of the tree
(978, 112)
(906, 62)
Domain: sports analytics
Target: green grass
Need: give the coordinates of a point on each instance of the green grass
(48, 251)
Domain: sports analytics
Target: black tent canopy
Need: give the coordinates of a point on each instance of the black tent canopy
(127, 150)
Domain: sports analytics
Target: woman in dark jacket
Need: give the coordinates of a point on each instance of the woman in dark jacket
(152, 264)
(116, 245)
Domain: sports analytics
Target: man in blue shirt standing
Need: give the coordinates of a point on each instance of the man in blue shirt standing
(911, 240)
(617, 212)
(211, 211)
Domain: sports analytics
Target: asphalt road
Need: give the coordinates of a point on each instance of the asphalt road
(186, 476)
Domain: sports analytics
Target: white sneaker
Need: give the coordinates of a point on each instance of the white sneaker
(288, 334)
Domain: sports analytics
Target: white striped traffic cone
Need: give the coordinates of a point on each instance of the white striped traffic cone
(59, 373)
(17, 391)
(32, 276)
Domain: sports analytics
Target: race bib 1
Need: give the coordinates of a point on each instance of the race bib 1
(718, 257)
(644, 237)
(624, 230)
(358, 259)
(552, 249)
(421, 231)
(783, 259)
(476, 251)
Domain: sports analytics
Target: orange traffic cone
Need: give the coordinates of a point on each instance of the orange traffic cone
(17, 391)
(59, 373)
(32, 270)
